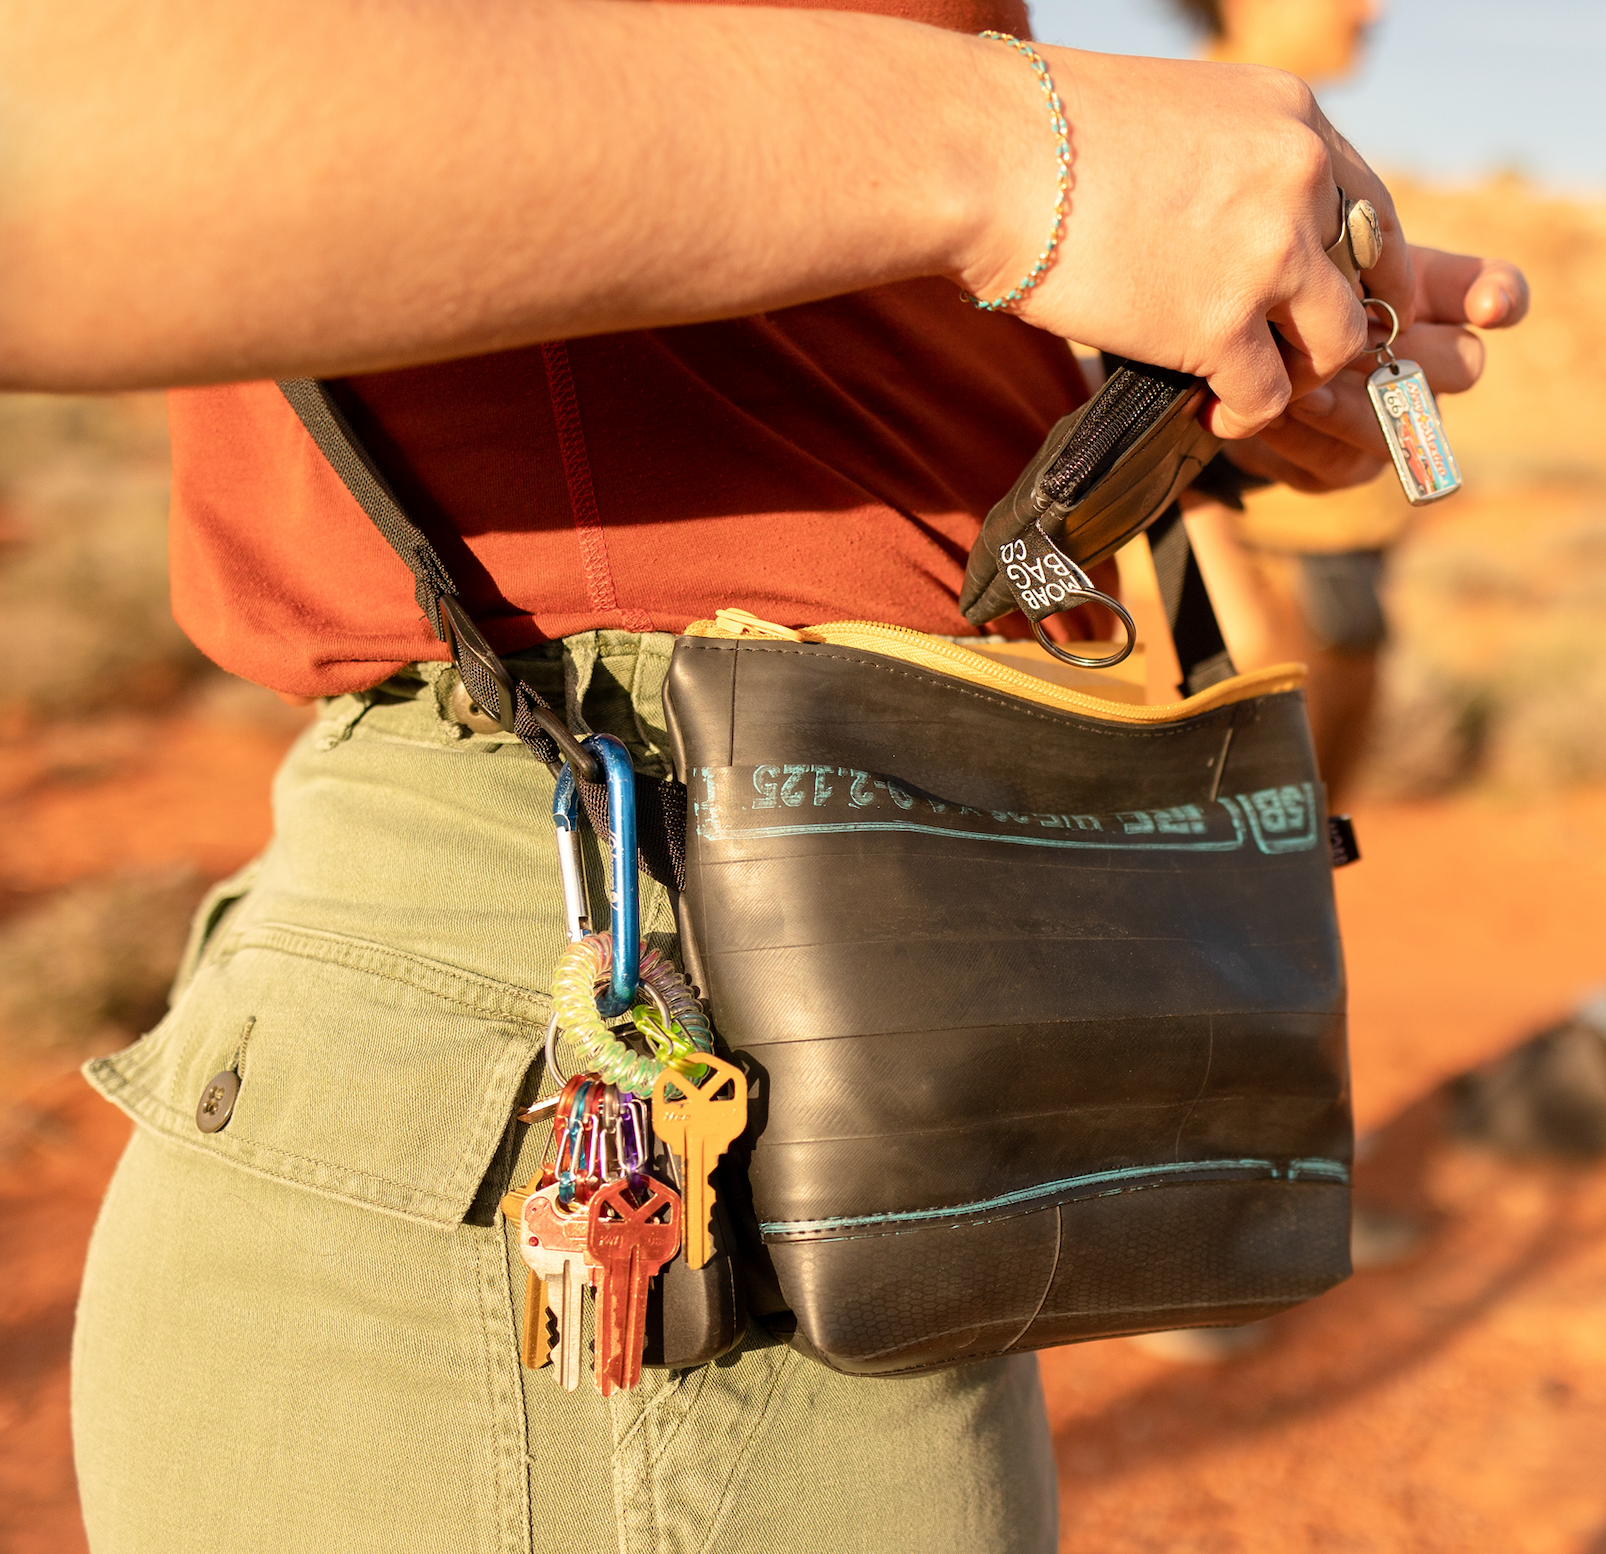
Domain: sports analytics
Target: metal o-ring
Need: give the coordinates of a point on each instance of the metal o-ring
(553, 1071)
(1124, 653)
(1394, 323)
(657, 1000)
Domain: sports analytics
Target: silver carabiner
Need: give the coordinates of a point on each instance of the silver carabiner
(566, 821)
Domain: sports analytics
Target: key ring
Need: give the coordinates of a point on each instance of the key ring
(554, 1029)
(1045, 581)
(1123, 653)
(1382, 352)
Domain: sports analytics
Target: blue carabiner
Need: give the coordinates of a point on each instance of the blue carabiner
(623, 897)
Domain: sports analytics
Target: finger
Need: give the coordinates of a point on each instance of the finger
(1442, 282)
(1453, 359)
(1331, 461)
(1314, 469)
(1464, 289)
(1253, 458)
(1499, 297)
(1340, 413)
(1391, 278)
(1260, 458)
(1250, 384)
(1324, 326)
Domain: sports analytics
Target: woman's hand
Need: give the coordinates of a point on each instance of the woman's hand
(1329, 438)
(1204, 199)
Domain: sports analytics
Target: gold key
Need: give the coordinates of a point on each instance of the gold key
(698, 1128)
(535, 1341)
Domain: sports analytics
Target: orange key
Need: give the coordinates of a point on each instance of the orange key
(698, 1128)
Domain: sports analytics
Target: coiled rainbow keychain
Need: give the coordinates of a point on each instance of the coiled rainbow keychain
(600, 976)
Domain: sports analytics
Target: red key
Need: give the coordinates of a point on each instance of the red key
(627, 1245)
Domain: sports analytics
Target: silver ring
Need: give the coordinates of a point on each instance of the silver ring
(1120, 656)
(1383, 350)
(658, 1002)
(552, 1053)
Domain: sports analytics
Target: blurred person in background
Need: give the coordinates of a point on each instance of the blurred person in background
(1309, 586)
(1316, 40)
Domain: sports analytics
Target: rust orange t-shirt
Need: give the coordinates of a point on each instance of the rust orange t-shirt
(823, 462)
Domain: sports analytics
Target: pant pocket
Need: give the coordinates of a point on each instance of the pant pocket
(264, 1370)
(209, 917)
(364, 1073)
(293, 1333)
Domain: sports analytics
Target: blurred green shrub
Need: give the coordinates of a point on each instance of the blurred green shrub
(1496, 672)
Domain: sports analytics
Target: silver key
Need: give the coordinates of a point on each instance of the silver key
(552, 1243)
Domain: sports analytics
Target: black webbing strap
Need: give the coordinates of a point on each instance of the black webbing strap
(1201, 650)
(329, 428)
(660, 806)
(482, 671)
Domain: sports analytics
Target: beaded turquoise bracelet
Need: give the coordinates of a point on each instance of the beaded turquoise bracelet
(1062, 151)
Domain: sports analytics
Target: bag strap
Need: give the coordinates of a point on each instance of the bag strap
(515, 705)
(1195, 631)
(332, 432)
(660, 804)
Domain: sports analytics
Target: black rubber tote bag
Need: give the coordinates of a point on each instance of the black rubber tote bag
(1041, 995)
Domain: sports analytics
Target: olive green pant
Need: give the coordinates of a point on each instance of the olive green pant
(300, 1332)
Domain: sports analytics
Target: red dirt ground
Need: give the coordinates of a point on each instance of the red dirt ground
(1455, 1402)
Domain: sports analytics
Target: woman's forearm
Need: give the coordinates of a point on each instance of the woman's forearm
(326, 185)
(323, 186)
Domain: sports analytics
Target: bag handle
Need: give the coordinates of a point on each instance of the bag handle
(514, 706)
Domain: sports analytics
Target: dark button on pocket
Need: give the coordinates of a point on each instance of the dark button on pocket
(217, 1101)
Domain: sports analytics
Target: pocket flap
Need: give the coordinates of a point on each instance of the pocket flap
(366, 1074)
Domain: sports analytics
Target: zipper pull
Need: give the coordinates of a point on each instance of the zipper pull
(741, 623)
